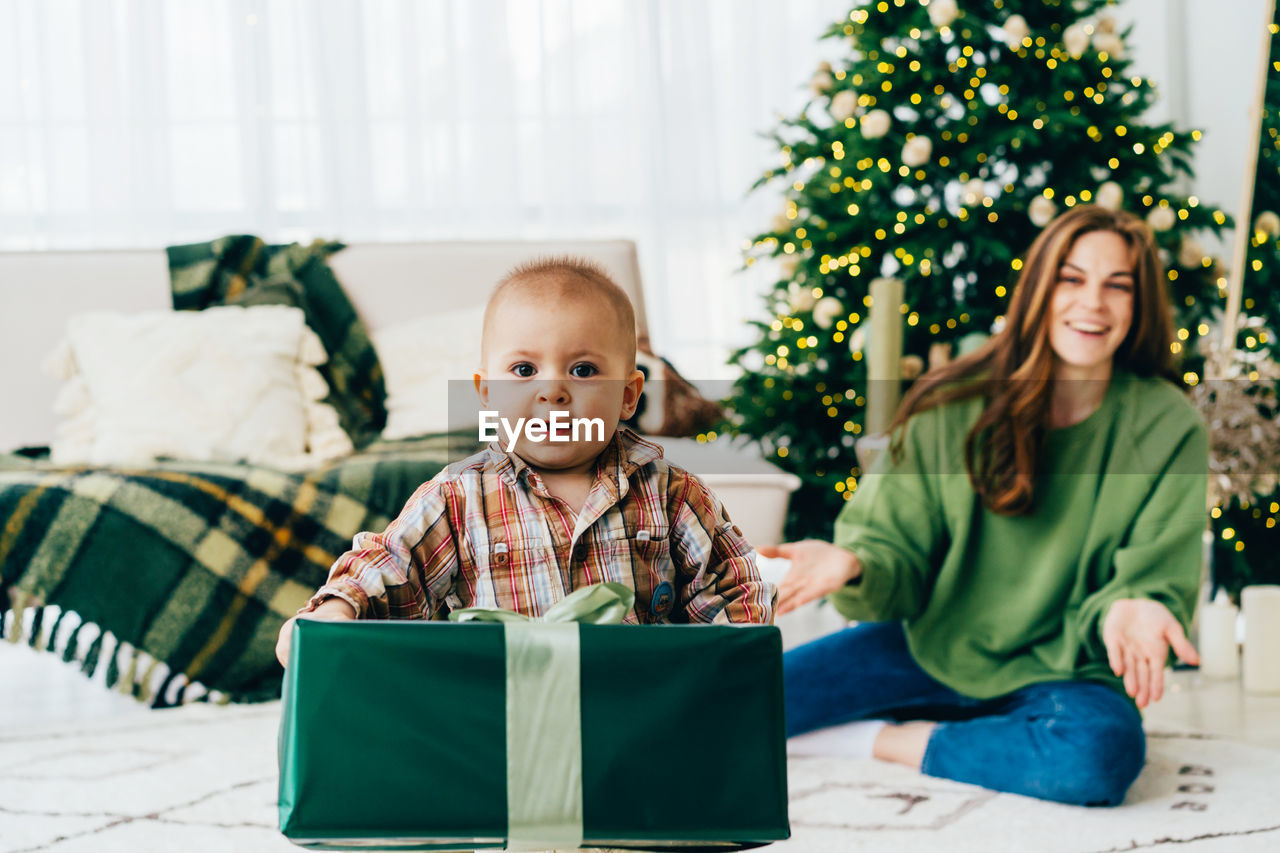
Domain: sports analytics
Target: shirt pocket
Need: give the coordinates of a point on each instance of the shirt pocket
(652, 576)
(510, 575)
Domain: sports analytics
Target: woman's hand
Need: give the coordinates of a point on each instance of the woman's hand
(1138, 633)
(329, 610)
(817, 568)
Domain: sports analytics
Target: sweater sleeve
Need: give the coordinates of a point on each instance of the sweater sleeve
(894, 525)
(1161, 558)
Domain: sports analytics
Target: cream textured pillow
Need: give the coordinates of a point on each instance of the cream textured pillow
(224, 384)
(419, 358)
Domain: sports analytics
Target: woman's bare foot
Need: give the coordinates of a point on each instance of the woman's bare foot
(904, 743)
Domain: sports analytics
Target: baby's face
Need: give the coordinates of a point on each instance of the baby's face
(563, 355)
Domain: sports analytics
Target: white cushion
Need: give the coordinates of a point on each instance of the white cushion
(40, 291)
(423, 360)
(224, 384)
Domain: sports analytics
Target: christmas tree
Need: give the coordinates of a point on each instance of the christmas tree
(933, 153)
(1246, 535)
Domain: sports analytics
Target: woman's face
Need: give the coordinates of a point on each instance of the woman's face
(1091, 306)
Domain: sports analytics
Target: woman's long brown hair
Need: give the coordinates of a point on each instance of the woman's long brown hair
(1012, 370)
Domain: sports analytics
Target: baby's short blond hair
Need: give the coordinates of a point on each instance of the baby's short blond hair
(566, 277)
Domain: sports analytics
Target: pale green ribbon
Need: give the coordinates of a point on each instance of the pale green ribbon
(544, 712)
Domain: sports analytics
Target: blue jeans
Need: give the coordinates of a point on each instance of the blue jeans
(1077, 742)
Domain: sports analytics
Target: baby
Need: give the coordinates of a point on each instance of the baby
(562, 499)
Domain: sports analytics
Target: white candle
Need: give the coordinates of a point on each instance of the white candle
(1219, 652)
(884, 355)
(1261, 638)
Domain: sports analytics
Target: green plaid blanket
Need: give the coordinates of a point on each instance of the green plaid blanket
(177, 578)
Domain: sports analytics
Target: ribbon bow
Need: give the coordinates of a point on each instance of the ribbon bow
(598, 604)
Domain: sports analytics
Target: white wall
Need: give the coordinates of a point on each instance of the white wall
(1204, 56)
(698, 145)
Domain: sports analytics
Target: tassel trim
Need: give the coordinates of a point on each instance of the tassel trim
(100, 655)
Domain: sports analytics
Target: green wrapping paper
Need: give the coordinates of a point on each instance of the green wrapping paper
(395, 736)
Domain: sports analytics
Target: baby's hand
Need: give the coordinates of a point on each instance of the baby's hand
(330, 610)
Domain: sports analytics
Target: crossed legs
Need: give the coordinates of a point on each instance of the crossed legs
(1069, 741)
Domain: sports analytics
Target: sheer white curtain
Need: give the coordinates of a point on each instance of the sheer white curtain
(145, 122)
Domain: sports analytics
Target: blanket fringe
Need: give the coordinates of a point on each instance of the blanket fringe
(69, 650)
(36, 632)
(113, 662)
(90, 664)
(18, 605)
(126, 682)
(100, 655)
(142, 687)
(57, 626)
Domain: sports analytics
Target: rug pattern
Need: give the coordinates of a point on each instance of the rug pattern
(203, 778)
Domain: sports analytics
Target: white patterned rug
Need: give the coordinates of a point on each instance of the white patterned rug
(203, 778)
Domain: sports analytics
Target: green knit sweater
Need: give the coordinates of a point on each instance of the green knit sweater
(993, 603)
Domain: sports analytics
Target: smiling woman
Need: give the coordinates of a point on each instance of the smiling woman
(1029, 552)
(1091, 298)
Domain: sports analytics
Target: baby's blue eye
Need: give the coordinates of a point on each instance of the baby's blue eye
(583, 371)
(524, 369)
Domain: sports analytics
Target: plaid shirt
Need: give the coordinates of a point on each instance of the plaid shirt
(485, 532)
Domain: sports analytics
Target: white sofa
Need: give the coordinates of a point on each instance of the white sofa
(40, 291)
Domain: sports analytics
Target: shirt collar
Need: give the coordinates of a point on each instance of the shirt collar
(621, 458)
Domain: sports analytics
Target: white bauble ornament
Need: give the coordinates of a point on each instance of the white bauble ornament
(939, 355)
(1106, 24)
(1015, 30)
(1041, 211)
(875, 124)
(916, 151)
(1190, 253)
(821, 82)
(843, 104)
(1109, 195)
(1161, 218)
(973, 192)
(1110, 44)
(801, 298)
(1268, 223)
(910, 367)
(827, 311)
(942, 12)
(1076, 40)
(788, 264)
(858, 340)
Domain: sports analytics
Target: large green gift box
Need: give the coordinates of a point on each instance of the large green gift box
(412, 735)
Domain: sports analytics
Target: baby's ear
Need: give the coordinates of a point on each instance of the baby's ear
(631, 394)
(481, 380)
